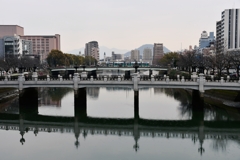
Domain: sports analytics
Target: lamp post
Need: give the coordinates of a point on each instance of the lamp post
(34, 68)
(83, 66)
(76, 67)
(136, 66)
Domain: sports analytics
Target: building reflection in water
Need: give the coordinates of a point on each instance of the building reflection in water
(221, 128)
(52, 96)
(93, 92)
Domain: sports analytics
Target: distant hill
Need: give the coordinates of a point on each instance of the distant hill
(165, 50)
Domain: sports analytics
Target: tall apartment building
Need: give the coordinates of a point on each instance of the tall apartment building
(147, 55)
(157, 53)
(95, 53)
(228, 31)
(135, 55)
(89, 46)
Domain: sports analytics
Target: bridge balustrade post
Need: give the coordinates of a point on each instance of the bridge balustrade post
(212, 77)
(222, 80)
(91, 78)
(119, 78)
(105, 78)
(48, 78)
(6, 78)
(135, 81)
(194, 76)
(152, 78)
(164, 76)
(228, 78)
(167, 79)
(201, 82)
(60, 78)
(239, 80)
(178, 78)
(35, 76)
(70, 76)
(75, 81)
(182, 80)
(20, 82)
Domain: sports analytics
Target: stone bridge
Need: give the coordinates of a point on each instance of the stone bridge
(135, 82)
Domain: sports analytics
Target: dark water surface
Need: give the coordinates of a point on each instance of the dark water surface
(168, 127)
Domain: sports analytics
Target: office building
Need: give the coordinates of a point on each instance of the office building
(135, 55)
(228, 31)
(11, 30)
(157, 53)
(206, 41)
(10, 46)
(95, 53)
(43, 44)
(14, 42)
(147, 55)
(117, 57)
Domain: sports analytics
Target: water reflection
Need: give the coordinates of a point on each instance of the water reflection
(203, 131)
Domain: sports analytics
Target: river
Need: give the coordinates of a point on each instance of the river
(167, 128)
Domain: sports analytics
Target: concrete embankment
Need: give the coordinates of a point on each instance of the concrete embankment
(7, 94)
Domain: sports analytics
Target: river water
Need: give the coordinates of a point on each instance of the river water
(167, 128)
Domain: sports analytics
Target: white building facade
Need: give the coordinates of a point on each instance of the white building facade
(147, 55)
(228, 31)
(135, 55)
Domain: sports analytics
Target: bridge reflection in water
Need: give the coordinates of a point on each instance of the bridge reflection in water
(196, 128)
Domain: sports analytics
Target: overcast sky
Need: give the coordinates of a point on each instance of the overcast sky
(122, 24)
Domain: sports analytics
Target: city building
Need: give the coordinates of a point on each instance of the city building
(135, 55)
(11, 30)
(95, 53)
(228, 31)
(11, 46)
(89, 46)
(43, 44)
(157, 53)
(147, 55)
(117, 57)
(14, 42)
(27, 47)
(205, 41)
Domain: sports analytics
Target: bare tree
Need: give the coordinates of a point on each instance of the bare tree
(235, 59)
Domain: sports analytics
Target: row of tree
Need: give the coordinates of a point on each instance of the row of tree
(57, 58)
(13, 62)
(191, 59)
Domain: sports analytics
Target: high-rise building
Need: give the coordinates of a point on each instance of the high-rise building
(147, 55)
(95, 53)
(89, 46)
(157, 53)
(135, 55)
(228, 31)
(205, 41)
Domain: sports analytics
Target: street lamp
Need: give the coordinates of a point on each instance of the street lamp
(76, 67)
(136, 66)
